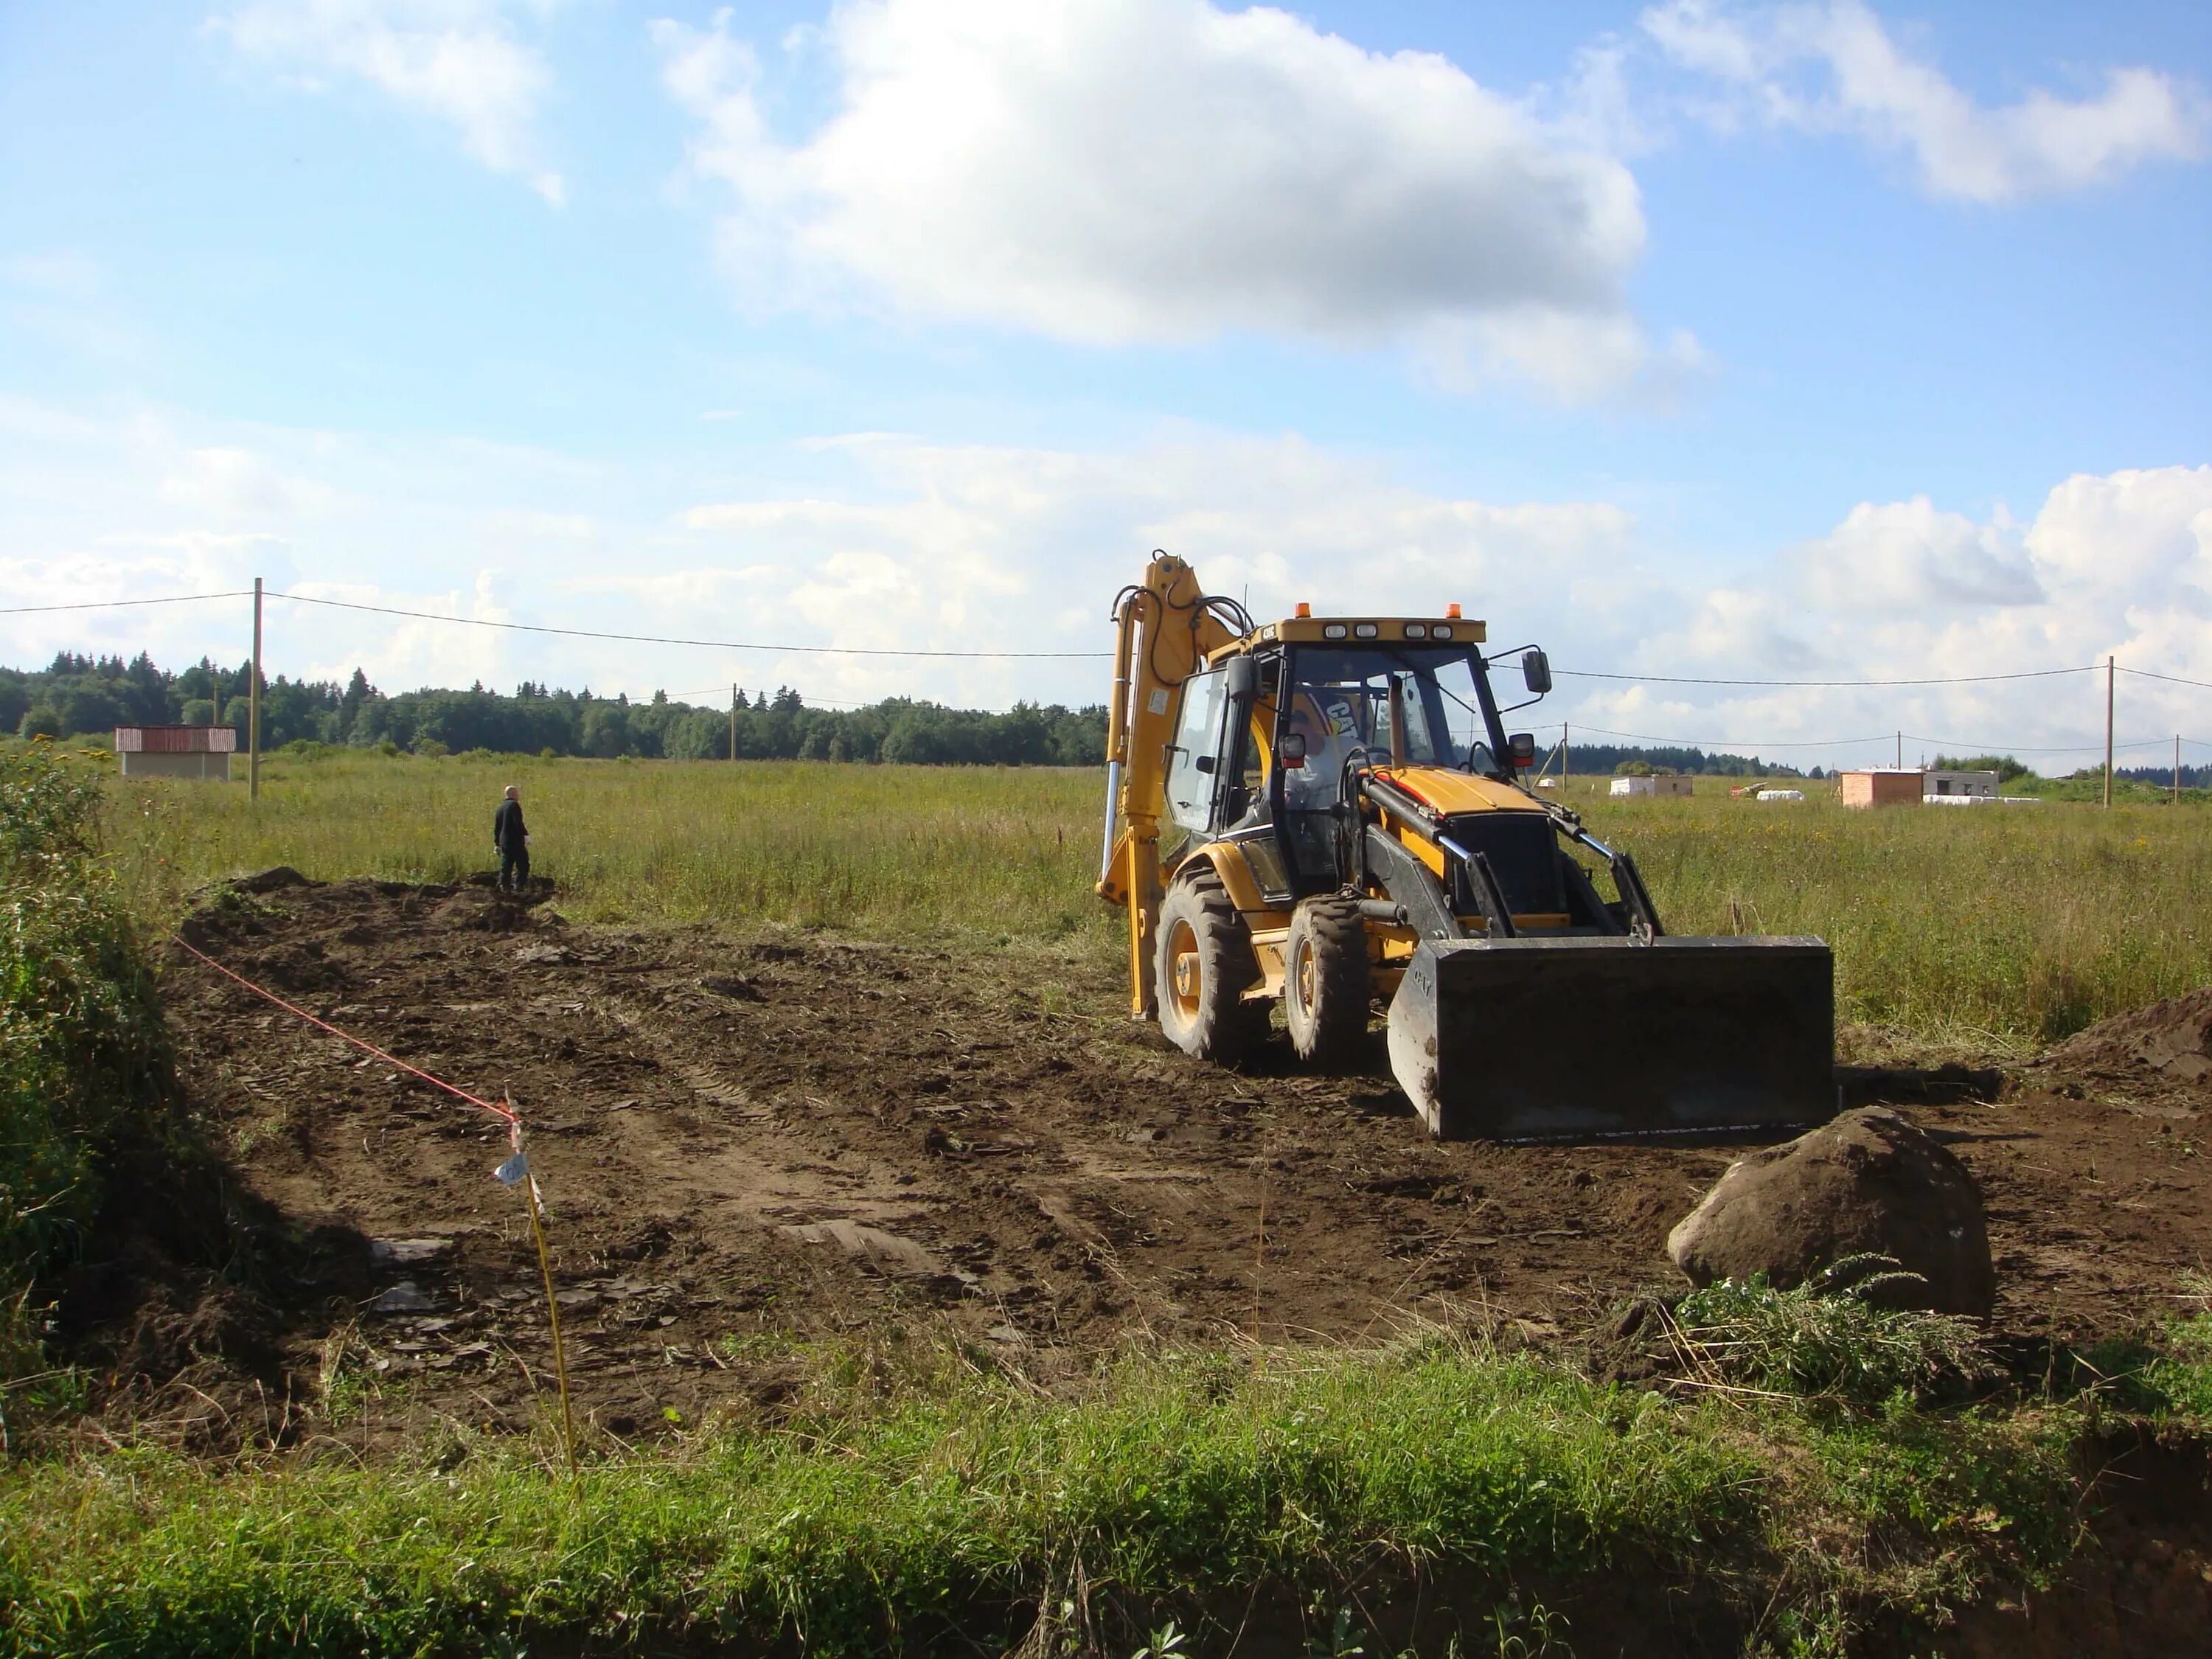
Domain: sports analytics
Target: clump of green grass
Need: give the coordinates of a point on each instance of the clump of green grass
(1829, 1340)
(2176, 1379)
(82, 1053)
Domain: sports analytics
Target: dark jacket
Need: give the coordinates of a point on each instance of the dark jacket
(506, 831)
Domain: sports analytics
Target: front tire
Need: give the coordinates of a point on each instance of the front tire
(1204, 966)
(1327, 985)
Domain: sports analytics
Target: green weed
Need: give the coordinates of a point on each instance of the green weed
(1827, 1339)
(83, 1055)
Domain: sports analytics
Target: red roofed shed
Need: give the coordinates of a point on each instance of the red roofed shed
(201, 752)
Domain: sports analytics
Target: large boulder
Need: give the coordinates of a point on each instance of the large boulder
(1867, 1182)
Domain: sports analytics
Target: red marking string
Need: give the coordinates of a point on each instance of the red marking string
(506, 1112)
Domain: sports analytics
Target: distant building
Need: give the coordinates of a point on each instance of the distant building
(1651, 786)
(201, 752)
(1958, 788)
(1881, 786)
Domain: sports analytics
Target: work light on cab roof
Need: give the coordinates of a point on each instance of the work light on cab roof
(1327, 812)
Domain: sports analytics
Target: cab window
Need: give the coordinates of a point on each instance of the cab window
(1194, 762)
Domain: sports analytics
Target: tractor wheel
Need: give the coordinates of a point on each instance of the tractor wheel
(1326, 989)
(1205, 966)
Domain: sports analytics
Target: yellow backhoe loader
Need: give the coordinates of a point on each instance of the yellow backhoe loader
(1328, 812)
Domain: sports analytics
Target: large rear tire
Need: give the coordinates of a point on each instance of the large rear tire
(1327, 984)
(1205, 967)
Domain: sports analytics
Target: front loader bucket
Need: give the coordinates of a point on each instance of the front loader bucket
(1574, 1039)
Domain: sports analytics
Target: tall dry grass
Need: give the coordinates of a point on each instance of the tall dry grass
(2019, 923)
(903, 849)
(1987, 924)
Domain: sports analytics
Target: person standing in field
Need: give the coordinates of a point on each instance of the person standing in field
(512, 840)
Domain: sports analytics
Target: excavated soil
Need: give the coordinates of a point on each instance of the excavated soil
(2170, 1041)
(748, 1138)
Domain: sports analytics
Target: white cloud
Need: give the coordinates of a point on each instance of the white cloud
(1829, 65)
(230, 485)
(1905, 556)
(2114, 565)
(457, 60)
(887, 541)
(1167, 171)
(987, 548)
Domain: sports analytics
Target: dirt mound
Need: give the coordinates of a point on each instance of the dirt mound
(2172, 1038)
(274, 880)
(1869, 1183)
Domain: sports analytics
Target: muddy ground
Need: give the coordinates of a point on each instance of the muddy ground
(750, 1139)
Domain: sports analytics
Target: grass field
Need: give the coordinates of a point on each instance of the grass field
(1993, 927)
(942, 1508)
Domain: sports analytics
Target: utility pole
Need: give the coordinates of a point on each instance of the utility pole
(1566, 767)
(1900, 751)
(733, 719)
(2177, 769)
(2108, 731)
(253, 705)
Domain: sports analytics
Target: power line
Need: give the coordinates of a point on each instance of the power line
(117, 605)
(1086, 656)
(1880, 737)
(1737, 743)
(712, 645)
(1946, 679)
(2047, 749)
(2171, 679)
(723, 690)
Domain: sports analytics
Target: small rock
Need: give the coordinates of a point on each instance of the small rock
(1867, 1182)
(407, 1252)
(404, 1297)
(871, 1244)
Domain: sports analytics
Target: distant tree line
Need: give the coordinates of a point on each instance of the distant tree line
(2192, 777)
(1622, 760)
(77, 696)
(2004, 766)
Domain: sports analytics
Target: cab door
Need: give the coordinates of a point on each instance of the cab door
(1195, 767)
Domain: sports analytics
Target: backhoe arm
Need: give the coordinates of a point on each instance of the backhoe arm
(1164, 629)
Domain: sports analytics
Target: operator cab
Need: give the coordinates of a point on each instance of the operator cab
(1273, 732)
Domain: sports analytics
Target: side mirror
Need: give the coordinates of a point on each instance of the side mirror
(1243, 678)
(1521, 747)
(1292, 753)
(1536, 669)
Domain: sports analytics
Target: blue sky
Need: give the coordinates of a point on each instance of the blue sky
(1814, 340)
